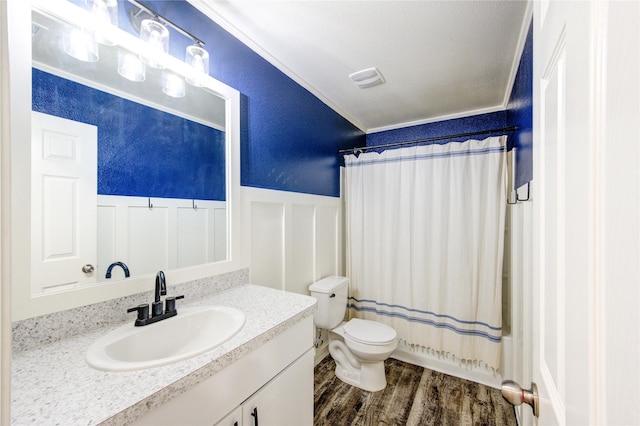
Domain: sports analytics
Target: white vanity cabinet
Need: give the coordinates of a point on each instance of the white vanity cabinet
(275, 379)
(285, 400)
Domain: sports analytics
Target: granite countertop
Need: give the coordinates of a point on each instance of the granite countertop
(53, 385)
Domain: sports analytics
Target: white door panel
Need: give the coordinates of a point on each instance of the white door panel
(586, 108)
(550, 350)
(63, 202)
(561, 214)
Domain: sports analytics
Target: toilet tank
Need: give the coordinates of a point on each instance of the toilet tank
(331, 293)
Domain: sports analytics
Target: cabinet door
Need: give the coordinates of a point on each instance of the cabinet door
(234, 418)
(285, 400)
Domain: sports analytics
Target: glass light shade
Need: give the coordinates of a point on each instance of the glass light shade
(157, 35)
(198, 58)
(130, 66)
(173, 85)
(106, 13)
(80, 44)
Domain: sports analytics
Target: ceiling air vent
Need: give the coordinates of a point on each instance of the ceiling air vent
(367, 78)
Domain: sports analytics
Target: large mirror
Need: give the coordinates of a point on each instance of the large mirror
(126, 177)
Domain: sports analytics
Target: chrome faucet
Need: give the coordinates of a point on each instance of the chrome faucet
(157, 314)
(120, 264)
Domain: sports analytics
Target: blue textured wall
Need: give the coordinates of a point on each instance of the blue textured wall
(520, 113)
(155, 155)
(289, 138)
(494, 120)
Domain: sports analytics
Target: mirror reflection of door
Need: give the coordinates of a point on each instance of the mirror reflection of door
(152, 149)
(63, 203)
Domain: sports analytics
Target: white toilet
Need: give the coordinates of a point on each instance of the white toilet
(359, 347)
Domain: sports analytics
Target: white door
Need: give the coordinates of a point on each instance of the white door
(63, 203)
(585, 244)
(561, 219)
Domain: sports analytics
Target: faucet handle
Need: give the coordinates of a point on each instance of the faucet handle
(170, 303)
(143, 311)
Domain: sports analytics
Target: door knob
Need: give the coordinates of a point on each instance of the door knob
(87, 269)
(515, 395)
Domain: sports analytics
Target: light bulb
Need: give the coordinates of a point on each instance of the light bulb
(157, 35)
(198, 58)
(106, 14)
(173, 85)
(130, 66)
(80, 44)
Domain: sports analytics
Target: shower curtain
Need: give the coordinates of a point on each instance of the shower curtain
(425, 236)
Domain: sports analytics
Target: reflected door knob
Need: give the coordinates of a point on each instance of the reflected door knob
(515, 395)
(87, 269)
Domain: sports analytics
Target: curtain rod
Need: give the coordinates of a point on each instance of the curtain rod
(437, 138)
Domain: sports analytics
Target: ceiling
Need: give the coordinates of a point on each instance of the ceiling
(439, 59)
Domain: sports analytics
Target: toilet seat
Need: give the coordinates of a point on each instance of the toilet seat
(369, 332)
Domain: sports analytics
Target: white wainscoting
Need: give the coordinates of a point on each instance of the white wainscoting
(294, 239)
(169, 235)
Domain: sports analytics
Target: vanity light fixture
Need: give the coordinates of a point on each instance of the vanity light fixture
(152, 27)
(82, 38)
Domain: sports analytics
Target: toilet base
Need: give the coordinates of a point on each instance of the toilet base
(365, 371)
(370, 377)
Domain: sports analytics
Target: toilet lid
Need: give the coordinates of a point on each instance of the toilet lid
(369, 332)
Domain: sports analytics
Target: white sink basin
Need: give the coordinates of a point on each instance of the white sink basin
(193, 331)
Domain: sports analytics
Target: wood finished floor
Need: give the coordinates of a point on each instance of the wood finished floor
(413, 396)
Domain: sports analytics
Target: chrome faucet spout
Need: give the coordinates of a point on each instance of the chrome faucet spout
(120, 264)
(161, 286)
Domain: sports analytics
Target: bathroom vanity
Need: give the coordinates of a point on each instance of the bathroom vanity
(272, 385)
(264, 371)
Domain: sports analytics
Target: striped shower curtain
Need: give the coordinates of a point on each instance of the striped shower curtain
(425, 236)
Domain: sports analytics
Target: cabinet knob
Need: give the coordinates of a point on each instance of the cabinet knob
(87, 269)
